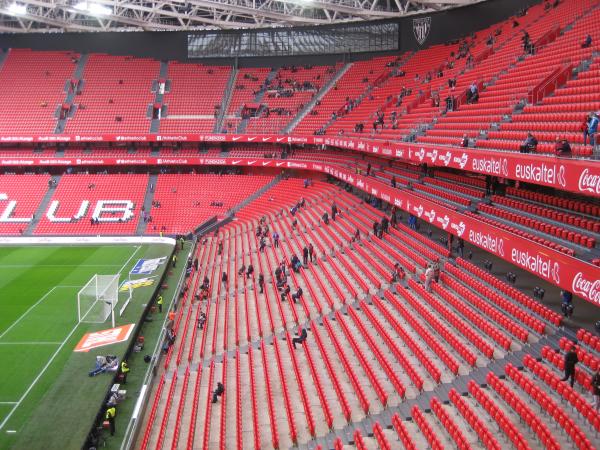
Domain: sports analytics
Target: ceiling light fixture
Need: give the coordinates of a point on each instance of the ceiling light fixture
(93, 8)
(17, 9)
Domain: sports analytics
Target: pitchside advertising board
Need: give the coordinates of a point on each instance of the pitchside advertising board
(579, 176)
(147, 266)
(575, 275)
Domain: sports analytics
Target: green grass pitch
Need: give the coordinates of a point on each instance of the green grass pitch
(47, 399)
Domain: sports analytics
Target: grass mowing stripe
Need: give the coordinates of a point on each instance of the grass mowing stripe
(33, 383)
(16, 322)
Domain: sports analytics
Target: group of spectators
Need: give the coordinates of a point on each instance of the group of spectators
(562, 147)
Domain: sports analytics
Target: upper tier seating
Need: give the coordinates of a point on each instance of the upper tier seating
(290, 89)
(515, 83)
(350, 86)
(246, 87)
(188, 112)
(115, 96)
(34, 89)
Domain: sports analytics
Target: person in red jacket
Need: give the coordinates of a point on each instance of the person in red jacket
(562, 147)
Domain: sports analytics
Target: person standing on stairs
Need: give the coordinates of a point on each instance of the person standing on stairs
(428, 278)
(596, 388)
(384, 225)
(571, 360)
(305, 255)
(592, 129)
(311, 253)
(261, 282)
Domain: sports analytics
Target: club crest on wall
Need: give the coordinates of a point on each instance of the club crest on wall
(421, 29)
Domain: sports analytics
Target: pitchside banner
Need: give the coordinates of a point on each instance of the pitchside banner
(577, 276)
(101, 338)
(579, 176)
(147, 266)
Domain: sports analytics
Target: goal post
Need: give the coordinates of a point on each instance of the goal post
(97, 299)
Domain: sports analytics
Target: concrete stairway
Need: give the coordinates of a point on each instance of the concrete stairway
(311, 104)
(71, 94)
(148, 198)
(226, 100)
(42, 208)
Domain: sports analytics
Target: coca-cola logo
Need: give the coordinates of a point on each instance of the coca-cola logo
(589, 182)
(420, 154)
(586, 288)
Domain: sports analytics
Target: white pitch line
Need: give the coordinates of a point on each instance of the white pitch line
(137, 248)
(30, 343)
(34, 382)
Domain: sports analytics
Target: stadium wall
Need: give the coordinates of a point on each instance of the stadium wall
(445, 26)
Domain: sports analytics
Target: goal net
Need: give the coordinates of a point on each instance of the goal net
(97, 299)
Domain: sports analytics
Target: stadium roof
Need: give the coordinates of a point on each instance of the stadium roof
(23, 16)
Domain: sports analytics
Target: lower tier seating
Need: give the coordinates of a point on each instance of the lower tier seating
(94, 205)
(20, 196)
(183, 202)
(374, 342)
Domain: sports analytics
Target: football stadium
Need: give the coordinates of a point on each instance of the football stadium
(299, 224)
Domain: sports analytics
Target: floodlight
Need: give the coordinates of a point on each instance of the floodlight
(17, 9)
(94, 9)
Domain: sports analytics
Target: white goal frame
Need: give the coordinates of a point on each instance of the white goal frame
(103, 290)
